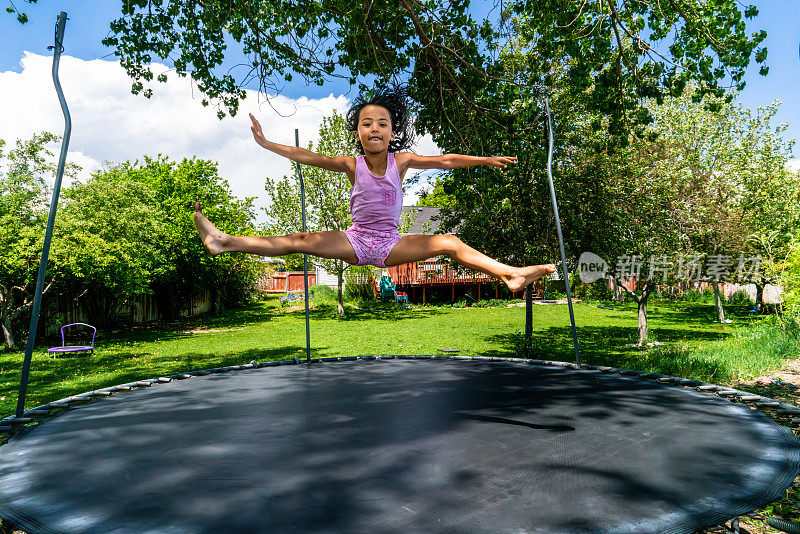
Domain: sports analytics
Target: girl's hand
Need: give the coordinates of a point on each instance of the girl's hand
(501, 161)
(258, 134)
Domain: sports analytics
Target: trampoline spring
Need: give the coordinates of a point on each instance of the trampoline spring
(750, 398)
(164, 379)
(667, 380)
(768, 404)
(708, 387)
(4, 428)
(784, 525)
(18, 420)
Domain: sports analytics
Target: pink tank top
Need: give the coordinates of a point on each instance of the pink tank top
(376, 201)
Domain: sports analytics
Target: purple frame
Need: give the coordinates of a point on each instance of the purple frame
(73, 348)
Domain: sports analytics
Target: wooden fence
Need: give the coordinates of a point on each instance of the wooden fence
(138, 310)
(283, 282)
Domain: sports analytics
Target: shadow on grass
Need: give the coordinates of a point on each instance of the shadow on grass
(376, 312)
(606, 345)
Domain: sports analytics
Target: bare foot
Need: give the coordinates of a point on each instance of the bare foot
(525, 275)
(212, 238)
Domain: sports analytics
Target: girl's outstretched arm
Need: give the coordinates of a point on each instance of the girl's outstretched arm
(302, 155)
(409, 160)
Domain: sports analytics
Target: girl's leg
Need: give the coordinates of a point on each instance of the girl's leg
(413, 248)
(331, 244)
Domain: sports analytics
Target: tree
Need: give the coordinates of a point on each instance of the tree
(616, 52)
(436, 196)
(107, 246)
(128, 231)
(12, 9)
(327, 195)
(726, 168)
(187, 269)
(23, 215)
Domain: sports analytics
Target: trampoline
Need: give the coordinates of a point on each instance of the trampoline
(391, 444)
(397, 444)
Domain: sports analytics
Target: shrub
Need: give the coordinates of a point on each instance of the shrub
(740, 298)
(598, 290)
(791, 282)
(359, 283)
(323, 293)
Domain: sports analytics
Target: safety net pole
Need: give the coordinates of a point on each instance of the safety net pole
(305, 256)
(37, 300)
(558, 231)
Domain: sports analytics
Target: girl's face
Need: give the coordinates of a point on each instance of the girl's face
(374, 129)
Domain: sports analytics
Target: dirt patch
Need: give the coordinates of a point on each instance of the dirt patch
(211, 330)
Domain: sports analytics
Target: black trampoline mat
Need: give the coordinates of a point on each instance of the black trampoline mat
(397, 446)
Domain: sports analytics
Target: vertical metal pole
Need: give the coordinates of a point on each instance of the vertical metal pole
(305, 256)
(558, 231)
(37, 300)
(528, 317)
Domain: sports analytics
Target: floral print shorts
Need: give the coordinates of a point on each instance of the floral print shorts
(372, 248)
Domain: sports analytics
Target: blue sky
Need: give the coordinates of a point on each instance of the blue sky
(109, 120)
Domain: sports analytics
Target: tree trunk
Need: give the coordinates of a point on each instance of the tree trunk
(8, 334)
(760, 295)
(641, 300)
(642, 320)
(339, 280)
(617, 292)
(718, 302)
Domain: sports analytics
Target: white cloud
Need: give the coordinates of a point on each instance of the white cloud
(110, 124)
(793, 165)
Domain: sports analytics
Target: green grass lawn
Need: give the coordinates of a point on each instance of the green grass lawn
(694, 346)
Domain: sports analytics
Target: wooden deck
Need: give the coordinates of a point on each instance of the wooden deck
(432, 272)
(417, 278)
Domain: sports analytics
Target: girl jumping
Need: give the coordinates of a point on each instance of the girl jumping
(381, 126)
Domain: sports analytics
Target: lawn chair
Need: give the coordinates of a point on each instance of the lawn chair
(387, 288)
(388, 291)
(64, 348)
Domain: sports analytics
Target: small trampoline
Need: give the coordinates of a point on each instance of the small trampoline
(396, 444)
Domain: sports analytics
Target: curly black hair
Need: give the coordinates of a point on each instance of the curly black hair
(396, 100)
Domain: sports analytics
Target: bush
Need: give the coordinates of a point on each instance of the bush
(323, 293)
(359, 283)
(791, 282)
(706, 296)
(740, 298)
(598, 290)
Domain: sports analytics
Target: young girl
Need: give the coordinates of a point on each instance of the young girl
(381, 126)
